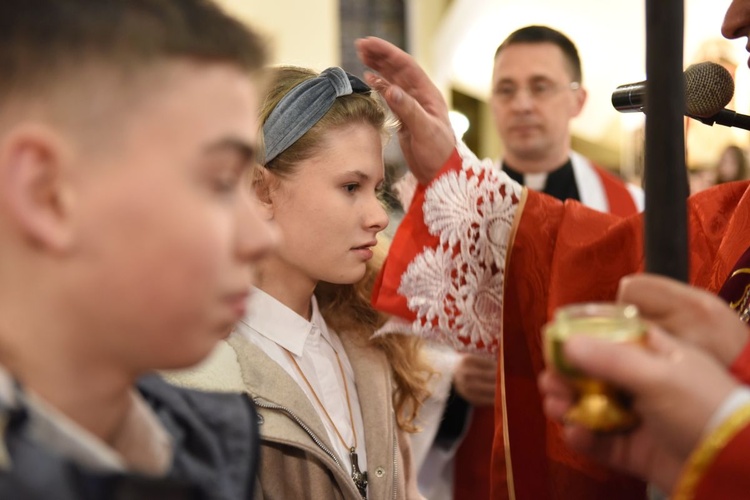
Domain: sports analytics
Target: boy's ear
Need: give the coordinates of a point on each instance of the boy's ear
(33, 187)
(263, 184)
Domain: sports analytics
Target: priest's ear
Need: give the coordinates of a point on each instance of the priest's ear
(579, 96)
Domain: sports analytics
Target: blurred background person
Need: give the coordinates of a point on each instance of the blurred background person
(732, 165)
(537, 89)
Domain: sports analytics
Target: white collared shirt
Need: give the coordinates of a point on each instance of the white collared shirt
(141, 444)
(275, 328)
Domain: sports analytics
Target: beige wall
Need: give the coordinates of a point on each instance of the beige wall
(302, 32)
(424, 18)
(489, 146)
(306, 32)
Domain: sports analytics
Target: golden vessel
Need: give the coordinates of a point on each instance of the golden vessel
(600, 407)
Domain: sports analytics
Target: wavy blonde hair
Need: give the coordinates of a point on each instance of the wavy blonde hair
(347, 308)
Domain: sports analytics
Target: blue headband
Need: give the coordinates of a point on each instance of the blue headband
(304, 106)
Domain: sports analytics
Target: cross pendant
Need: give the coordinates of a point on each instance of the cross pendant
(359, 477)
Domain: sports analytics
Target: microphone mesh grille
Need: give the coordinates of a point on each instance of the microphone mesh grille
(708, 88)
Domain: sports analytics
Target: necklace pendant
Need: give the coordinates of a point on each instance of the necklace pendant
(359, 477)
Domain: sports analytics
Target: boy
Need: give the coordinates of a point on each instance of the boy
(128, 245)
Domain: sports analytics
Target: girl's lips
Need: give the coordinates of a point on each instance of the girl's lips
(363, 252)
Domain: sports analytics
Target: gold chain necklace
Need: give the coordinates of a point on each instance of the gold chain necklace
(359, 477)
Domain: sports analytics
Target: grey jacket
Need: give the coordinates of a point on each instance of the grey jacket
(215, 440)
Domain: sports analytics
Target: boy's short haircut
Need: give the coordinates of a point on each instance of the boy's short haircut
(45, 41)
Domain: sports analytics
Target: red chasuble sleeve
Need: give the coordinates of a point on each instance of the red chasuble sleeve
(719, 468)
(728, 477)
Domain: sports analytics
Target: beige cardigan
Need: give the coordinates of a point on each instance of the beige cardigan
(294, 463)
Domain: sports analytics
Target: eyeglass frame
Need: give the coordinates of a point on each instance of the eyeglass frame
(547, 90)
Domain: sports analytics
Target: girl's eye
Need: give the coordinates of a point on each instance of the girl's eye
(350, 188)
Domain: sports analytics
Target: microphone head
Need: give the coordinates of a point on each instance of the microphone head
(708, 89)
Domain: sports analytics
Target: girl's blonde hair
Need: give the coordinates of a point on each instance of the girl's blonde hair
(347, 308)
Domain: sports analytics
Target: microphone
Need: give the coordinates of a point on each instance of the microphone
(708, 88)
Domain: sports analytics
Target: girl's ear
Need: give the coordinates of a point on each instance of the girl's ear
(263, 183)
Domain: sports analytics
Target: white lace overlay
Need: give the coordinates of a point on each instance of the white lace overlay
(456, 290)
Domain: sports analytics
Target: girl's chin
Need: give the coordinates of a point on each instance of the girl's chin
(349, 278)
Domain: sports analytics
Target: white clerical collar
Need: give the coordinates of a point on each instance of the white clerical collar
(533, 181)
(278, 323)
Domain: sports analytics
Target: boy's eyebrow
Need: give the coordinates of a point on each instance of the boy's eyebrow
(245, 149)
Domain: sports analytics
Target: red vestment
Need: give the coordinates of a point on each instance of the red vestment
(474, 454)
(552, 254)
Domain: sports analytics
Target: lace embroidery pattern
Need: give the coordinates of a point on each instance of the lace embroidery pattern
(456, 289)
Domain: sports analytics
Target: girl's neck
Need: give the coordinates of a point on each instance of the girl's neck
(288, 287)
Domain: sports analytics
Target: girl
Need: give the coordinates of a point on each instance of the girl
(334, 403)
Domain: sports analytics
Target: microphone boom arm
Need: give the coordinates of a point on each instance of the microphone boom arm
(725, 117)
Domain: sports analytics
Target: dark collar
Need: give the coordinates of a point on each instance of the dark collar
(560, 183)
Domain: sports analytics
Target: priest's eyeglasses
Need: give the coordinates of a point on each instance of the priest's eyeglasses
(539, 90)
